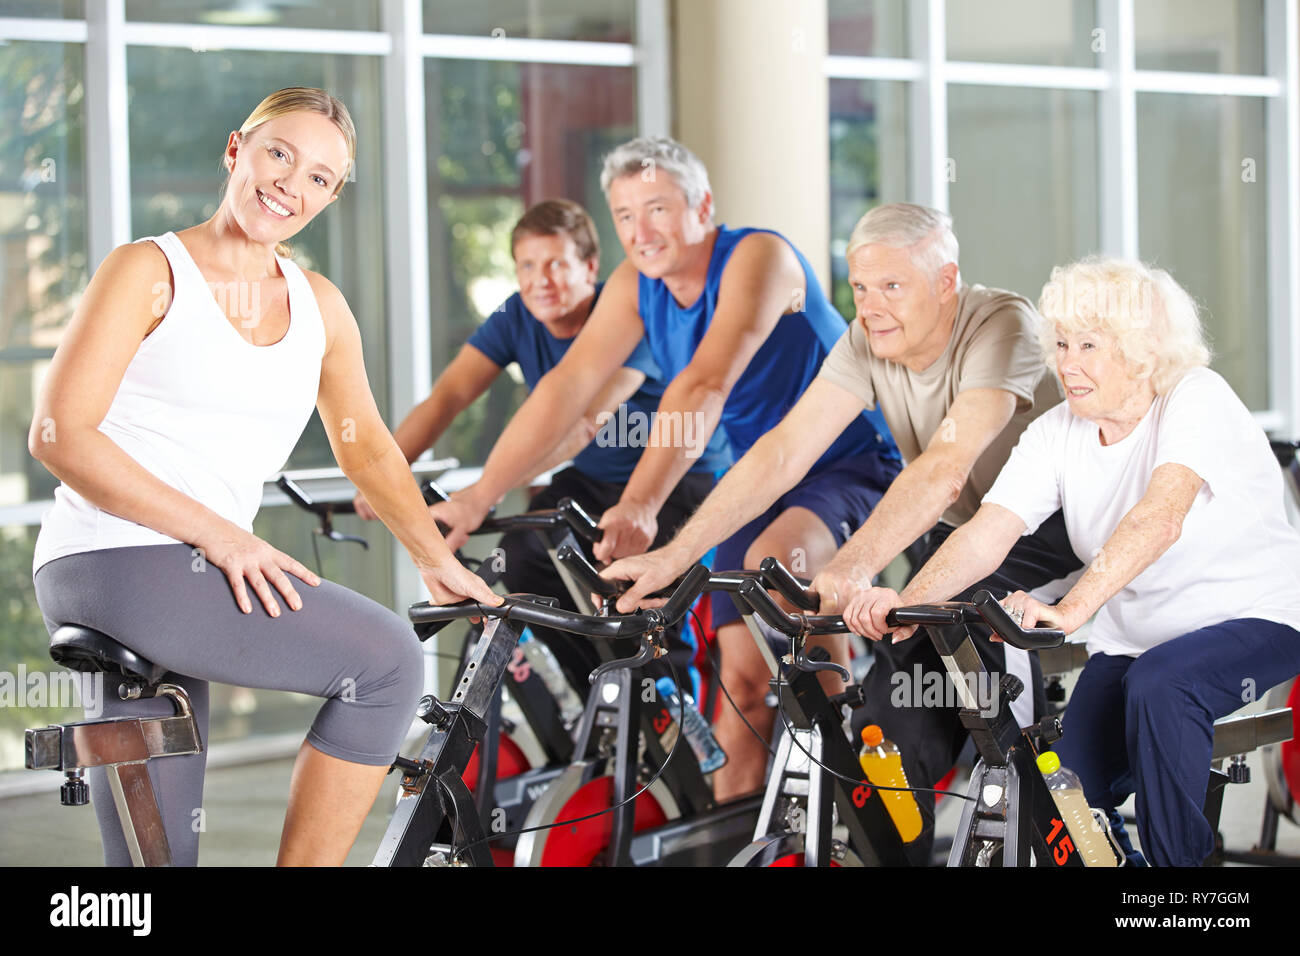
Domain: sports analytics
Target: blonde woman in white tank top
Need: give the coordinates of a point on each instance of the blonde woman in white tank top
(147, 456)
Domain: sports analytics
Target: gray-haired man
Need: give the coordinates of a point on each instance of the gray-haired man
(737, 320)
(958, 373)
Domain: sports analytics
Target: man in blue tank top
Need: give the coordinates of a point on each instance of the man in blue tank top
(738, 322)
(556, 261)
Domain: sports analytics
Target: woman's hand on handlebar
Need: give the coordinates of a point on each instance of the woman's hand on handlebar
(452, 582)
(629, 529)
(648, 573)
(363, 509)
(248, 561)
(462, 515)
(1029, 613)
(866, 612)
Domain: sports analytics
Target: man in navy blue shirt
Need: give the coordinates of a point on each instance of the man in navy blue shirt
(556, 262)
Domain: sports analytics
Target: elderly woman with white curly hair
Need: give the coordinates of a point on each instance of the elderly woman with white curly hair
(1172, 496)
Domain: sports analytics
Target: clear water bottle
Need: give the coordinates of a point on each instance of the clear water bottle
(1067, 791)
(698, 732)
(542, 660)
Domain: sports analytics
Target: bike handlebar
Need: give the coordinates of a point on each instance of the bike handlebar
(1284, 450)
(525, 608)
(586, 574)
(567, 512)
(779, 578)
(983, 607)
(791, 625)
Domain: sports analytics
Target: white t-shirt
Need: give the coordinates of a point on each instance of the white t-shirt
(1236, 556)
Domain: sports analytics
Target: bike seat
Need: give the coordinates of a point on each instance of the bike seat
(84, 649)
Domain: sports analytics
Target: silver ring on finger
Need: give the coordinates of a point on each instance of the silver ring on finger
(1018, 615)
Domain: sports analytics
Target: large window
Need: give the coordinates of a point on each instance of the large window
(508, 135)
(1051, 129)
(43, 268)
(869, 163)
(1023, 181)
(176, 173)
(515, 101)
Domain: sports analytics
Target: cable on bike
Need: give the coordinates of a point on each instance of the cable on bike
(789, 729)
(717, 675)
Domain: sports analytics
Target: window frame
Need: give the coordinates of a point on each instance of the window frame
(1118, 82)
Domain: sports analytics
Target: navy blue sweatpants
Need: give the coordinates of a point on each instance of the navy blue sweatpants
(1145, 725)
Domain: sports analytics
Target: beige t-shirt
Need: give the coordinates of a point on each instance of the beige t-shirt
(994, 344)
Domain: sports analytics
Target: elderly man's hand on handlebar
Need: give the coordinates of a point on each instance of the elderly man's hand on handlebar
(1030, 613)
(648, 573)
(836, 586)
(866, 611)
(461, 516)
(629, 529)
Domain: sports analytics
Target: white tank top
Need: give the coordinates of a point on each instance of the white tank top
(201, 409)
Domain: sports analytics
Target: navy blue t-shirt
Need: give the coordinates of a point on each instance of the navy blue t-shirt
(513, 334)
(780, 370)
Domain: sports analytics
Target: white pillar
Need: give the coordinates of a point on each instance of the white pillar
(751, 101)
(108, 179)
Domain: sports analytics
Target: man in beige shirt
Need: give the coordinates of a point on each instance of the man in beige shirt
(958, 373)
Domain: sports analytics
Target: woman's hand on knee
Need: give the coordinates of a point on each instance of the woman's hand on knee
(249, 562)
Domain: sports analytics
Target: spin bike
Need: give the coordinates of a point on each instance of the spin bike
(623, 736)
(509, 769)
(1010, 818)
(436, 821)
(816, 778)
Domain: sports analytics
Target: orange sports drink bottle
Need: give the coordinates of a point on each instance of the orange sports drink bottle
(883, 765)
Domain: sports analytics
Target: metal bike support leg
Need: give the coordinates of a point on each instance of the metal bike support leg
(433, 794)
(818, 728)
(123, 746)
(1010, 807)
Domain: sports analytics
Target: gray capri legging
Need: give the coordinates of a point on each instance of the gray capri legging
(154, 599)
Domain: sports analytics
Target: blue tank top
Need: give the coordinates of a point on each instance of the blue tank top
(778, 373)
(513, 334)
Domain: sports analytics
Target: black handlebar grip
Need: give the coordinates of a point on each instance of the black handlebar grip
(997, 617)
(583, 524)
(767, 608)
(432, 492)
(1284, 450)
(587, 575)
(779, 578)
(295, 494)
(323, 510)
(692, 587)
(944, 614)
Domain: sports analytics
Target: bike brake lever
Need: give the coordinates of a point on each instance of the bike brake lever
(650, 649)
(800, 661)
(794, 626)
(340, 536)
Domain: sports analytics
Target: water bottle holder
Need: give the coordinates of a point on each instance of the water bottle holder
(1104, 824)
